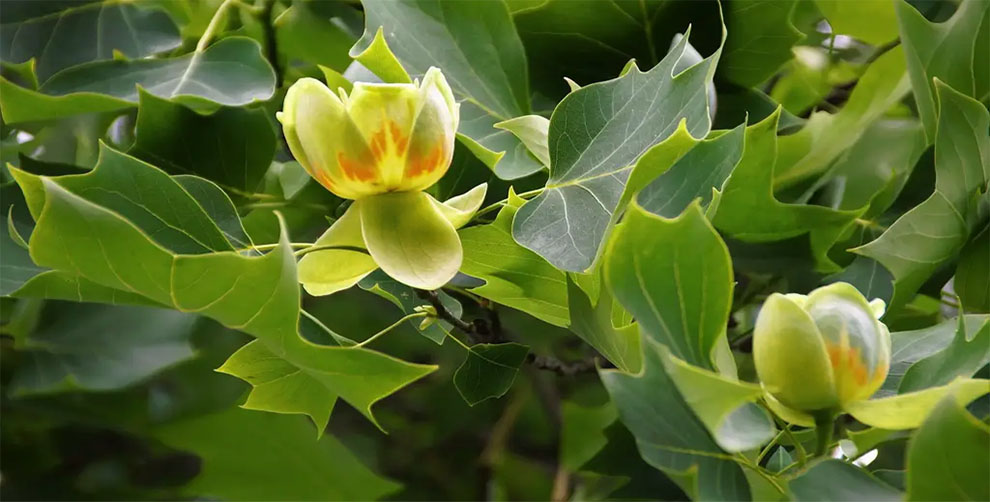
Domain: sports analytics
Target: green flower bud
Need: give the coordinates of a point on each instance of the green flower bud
(821, 351)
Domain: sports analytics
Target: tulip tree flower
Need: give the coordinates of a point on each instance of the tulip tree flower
(818, 353)
(382, 146)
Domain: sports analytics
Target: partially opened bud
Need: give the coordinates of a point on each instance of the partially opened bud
(382, 138)
(823, 350)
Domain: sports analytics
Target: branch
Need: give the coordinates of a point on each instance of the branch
(559, 367)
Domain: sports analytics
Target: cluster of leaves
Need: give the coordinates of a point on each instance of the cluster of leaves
(655, 169)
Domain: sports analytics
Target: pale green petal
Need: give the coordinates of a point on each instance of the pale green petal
(907, 411)
(459, 210)
(410, 239)
(789, 415)
(431, 141)
(328, 271)
(790, 356)
(878, 307)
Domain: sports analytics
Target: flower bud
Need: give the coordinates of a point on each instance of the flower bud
(382, 138)
(823, 350)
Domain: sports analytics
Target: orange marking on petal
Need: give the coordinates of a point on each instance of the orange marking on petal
(426, 163)
(355, 170)
(398, 139)
(850, 360)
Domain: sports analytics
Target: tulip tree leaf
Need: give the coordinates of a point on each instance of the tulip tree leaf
(488, 371)
(255, 294)
(702, 169)
(908, 411)
(592, 321)
(514, 276)
(962, 358)
(971, 273)
(930, 234)
(761, 35)
(59, 285)
(248, 455)
(668, 434)
(949, 456)
(675, 278)
(909, 347)
(53, 40)
(944, 51)
(16, 268)
(597, 134)
(233, 147)
(481, 56)
(101, 348)
(841, 482)
(231, 72)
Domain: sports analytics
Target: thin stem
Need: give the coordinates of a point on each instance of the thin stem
(458, 340)
(824, 425)
(392, 326)
(267, 8)
(769, 446)
(218, 17)
(798, 447)
(263, 247)
(285, 203)
(303, 252)
(767, 475)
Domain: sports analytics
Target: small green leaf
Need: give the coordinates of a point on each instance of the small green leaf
(907, 411)
(514, 276)
(488, 371)
(674, 276)
(837, 481)
(532, 130)
(779, 460)
(949, 457)
(248, 455)
(232, 147)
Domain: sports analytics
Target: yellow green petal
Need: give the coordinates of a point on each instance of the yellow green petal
(460, 209)
(410, 239)
(327, 271)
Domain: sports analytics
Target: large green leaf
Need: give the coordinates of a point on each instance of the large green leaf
(761, 35)
(971, 273)
(837, 481)
(248, 455)
(669, 435)
(231, 72)
(675, 278)
(101, 348)
(934, 232)
(514, 276)
(55, 40)
(232, 147)
(908, 411)
(256, 294)
(909, 347)
(481, 55)
(16, 268)
(944, 51)
(488, 371)
(592, 321)
(949, 457)
(597, 134)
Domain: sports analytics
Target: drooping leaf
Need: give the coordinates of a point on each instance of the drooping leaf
(232, 147)
(231, 72)
(256, 294)
(514, 276)
(837, 481)
(488, 371)
(949, 456)
(54, 39)
(592, 321)
(761, 34)
(932, 233)
(597, 135)
(675, 277)
(481, 56)
(668, 434)
(944, 51)
(248, 455)
(101, 348)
